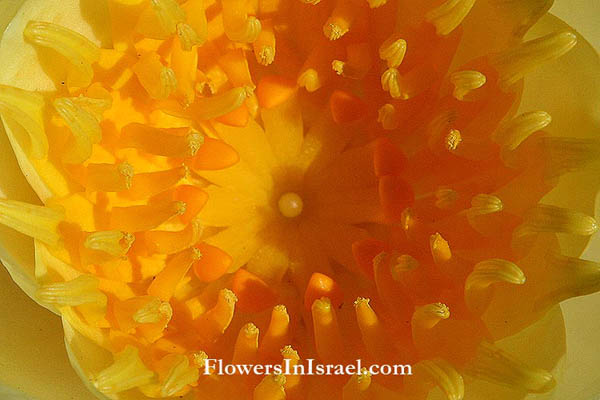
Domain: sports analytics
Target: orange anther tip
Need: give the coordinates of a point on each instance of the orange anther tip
(345, 107)
(388, 159)
(213, 263)
(194, 199)
(365, 251)
(214, 154)
(320, 285)
(273, 90)
(238, 117)
(394, 196)
(253, 293)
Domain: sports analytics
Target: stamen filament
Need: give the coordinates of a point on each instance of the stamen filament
(81, 290)
(213, 323)
(180, 375)
(127, 372)
(164, 284)
(143, 218)
(428, 316)
(246, 345)
(161, 142)
(327, 334)
(270, 388)
(108, 177)
(38, 222)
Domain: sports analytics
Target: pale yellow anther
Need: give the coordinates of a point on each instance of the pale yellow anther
(566, 154)
(169, 14)
(81, 290)
(338, 67)
(158, 80)
(180, 375)
(238, 25)
(127, 372)
(445, 198)
(404, 263)
(108, 177)
(94, 105)
(376, 3)
(245, 349)
(428, 316)
(114, 243)
(266, 55)
(212, 107)
(483, 204)
(388, 117)
(453, 139)
(545, 218)
(26, 109)
(513, 133)
(466, 81)
(390, 82)
(311, 2)
(407, 219)
(442, 374)
(154, 311)
(310, 80)
(341, 19)
(449, 15)
(196, 19)
(84, 127)
(199, 359)
(213, 323)
(270, 388)
(38, 222)
(393, 50)
(485, 274)
(188, 37)
(515, 63)
(292, 381)
(493, 364)
(79, 51)
(440, 249)
(161, 142)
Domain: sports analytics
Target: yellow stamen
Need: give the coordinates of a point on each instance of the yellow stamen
(154, 311)
(449, 15)
(440, 250)
(212, 107)
(114, 243)
(39, 222)
(442, 374)
(264, 46)
(466, 81)
(513, 133)
(390, 82)
(388, 117)
(188, 37)
(108, 177)
(213, 323)
(404, 263)
(340, 21)
(169, 242)
(371, 329)
(277, 332)
(77, 49)
(196, 19)
(95, 105)
(180, 375)
(160, 142)
(428, 316)
(327, 334)
(81, 290)
(483, 204)
(169, 14)
(158, 80)
(393, 50)
(545, 218)
(239, 27)
(445, 198)
(270, 388)
(164, 284)
(290, 205)
(310, 80)
(26, 109)
(127, 372)
(292, 381)
(83, 125)
(485, 274)
(143, 218)
(199, 359)
(453, 139)
(514, 63)
(246, 345)
(495, 365)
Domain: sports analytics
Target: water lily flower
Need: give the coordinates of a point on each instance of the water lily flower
(275, 181)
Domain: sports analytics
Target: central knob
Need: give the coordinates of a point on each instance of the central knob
(290, 205)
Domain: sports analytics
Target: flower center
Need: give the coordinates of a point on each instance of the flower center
(290, 205)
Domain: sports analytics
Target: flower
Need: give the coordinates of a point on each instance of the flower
(189, 188)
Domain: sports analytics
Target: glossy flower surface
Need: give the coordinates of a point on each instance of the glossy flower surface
(255, 182)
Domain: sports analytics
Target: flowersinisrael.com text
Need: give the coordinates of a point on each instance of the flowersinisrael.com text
(310, 367)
